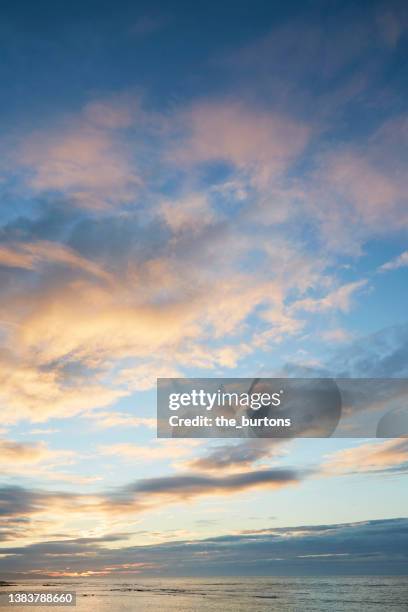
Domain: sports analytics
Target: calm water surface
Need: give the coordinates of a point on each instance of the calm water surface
(348, 594)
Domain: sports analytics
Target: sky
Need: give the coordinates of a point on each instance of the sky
(212, 190)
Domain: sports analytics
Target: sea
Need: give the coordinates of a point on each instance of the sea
(284, 594)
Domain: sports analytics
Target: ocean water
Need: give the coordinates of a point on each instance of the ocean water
(322, 594)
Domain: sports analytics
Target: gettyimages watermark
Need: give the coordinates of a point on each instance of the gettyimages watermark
(281, 407)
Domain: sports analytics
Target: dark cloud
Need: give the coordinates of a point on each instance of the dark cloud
(240, 454)
(17, 501)
(187, 485)
(67, 546)
(369, 547)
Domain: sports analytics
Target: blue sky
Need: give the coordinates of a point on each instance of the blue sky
(209, 192)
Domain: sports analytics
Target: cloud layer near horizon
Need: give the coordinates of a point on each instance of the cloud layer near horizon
(369, 547)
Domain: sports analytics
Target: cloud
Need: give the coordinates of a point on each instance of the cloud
(99, 301)
(148, 25)
(162, 450)
(359, 191)
(48, 512)
(36, 460)
(12, 453)
(84, 157)
(143, 312)
(144, 375)
(393, 22)
(324, 67)
(399, 262)
(255, 141)
(42, 431)
(187, 214)
(370, 191)
(17, 501)
(107, 419)
(390, 456)
(30, 256)
(143, 243)
(112, 114)
(140, 495)
(374, 547)
(236, 456)
(336, 335)
(187, 486)
(380, 355)
(29, 391)
(338, 299)
(132, 300)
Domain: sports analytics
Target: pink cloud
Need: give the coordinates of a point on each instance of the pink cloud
(85, 157)
(253, 140)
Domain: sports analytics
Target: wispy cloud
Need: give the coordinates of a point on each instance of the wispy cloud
(85, 157)
(260, 143)
(338, 299)
(29, 256)
(398, 262)
(237, 456)
(386, 457)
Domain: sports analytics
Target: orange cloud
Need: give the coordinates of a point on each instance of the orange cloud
(28, 391)
(36, 459)
(162, 450)
(370, 457)
(98, 319)
(49, 512)
(107, 419)
(31, 255)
